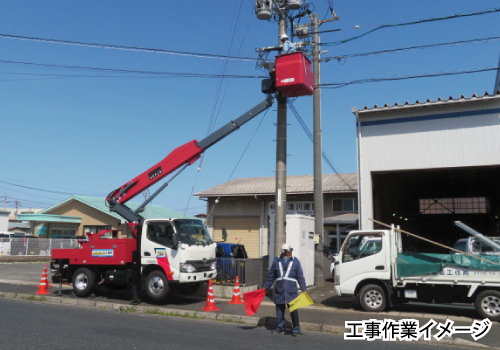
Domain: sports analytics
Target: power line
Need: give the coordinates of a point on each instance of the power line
(412, 23)
(161, 74)
(419, 47)
(377, 80)
(125, 48)
(116, 70)
(37, 189)
(166, 76)
(309, 134)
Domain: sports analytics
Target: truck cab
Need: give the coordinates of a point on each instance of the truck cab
(362, 257)
(182, 247)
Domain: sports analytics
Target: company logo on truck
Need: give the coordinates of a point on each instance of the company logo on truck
(161, 252)
(102, 253)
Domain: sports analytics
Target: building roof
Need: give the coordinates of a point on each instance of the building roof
(428, 102)
(151, 211)
(296, 184)
(346, 219)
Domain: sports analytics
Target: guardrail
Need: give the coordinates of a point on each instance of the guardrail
(32, 246)
(249, 271)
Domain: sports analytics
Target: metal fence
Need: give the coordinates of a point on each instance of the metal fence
(35, 246)
(249, 271)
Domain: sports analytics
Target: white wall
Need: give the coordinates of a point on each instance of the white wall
(4, 221)
(428, 136)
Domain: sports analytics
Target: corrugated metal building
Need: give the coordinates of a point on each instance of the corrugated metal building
(427, 164)
(244, 207)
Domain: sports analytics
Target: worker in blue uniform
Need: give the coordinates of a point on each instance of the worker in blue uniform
(287, 275)
(288, 46)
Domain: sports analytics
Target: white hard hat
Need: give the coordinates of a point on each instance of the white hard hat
(286, 247)
(283, 37)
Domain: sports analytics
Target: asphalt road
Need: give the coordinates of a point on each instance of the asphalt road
(27, 325)
(329, 311)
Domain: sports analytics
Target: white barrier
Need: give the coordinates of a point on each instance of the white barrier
(31, 246)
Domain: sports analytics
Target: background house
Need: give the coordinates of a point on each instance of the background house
(245, 207)
(79, 215)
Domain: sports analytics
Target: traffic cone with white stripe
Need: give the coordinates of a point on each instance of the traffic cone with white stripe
(210, 304)
(236, 293)
(42, 289)
(46, 268)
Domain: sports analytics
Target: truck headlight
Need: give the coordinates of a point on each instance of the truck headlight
(187, 268)
(214, 265)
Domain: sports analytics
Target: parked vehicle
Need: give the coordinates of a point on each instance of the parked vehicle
(163, 253)
(372, 269)
(229, 262)
(5, 243)
(473, 245)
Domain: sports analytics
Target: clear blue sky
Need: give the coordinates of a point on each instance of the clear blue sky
(84, 131)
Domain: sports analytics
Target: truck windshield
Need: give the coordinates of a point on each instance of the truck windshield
(360, 246)
(192, 232)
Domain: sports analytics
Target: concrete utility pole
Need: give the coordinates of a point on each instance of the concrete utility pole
(281, 143)
(319, 276)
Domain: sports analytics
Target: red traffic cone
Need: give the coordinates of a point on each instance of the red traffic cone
(42, 289)
(46, 268)
(210, 305)
(236, 293)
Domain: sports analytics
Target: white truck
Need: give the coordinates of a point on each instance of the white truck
(372, 268)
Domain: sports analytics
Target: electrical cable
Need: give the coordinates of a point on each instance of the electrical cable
(238, 162)
(377, 80)
(147, 74)
(419, 47)
(215, 113)
(310, 135)
(124, 48)
(484, 12)
(36, 189)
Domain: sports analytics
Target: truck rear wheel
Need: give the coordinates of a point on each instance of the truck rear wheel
(488, 304)
(372, 298)
(157, 285)
(83, 282)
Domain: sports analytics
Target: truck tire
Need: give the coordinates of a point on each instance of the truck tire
(157, 285)
(83, 282)
(488, 304)
(372, 298)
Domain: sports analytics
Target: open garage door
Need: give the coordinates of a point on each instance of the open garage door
(428, 202)
(243, 230)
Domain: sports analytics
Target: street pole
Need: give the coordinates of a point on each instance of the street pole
(319, 276)
(281, 143)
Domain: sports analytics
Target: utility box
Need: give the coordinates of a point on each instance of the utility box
(294, 76)
(300, 235)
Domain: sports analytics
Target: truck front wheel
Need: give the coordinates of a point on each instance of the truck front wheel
(83, 282)
(488, 304)
(372, 298)
(157, 285)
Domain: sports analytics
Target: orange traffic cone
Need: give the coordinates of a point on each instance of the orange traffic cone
(46, 268)
(42, 289)
(210, 305)
(236, 293)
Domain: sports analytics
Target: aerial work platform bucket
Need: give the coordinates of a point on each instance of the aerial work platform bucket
(294, 76)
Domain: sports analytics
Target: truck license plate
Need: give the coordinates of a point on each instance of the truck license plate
(200, 276)
(411, 294)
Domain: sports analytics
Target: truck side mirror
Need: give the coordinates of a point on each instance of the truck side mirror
(175, 240)
(224, 234)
